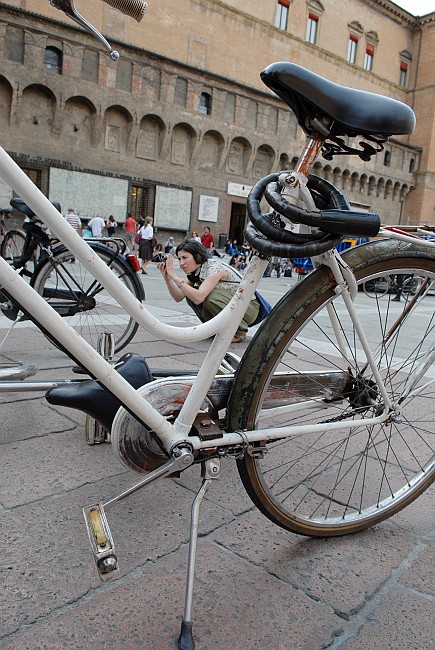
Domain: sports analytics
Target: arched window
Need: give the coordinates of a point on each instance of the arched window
(387, 158)
(53, 59)
(412, 165)
(205, 104)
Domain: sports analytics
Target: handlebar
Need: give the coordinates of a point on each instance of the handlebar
(133, 8)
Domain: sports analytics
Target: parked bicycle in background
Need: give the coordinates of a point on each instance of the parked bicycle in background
(67, 285)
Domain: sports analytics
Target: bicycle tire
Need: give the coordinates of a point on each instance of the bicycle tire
(12, 245)
(340, 481)
(74, 293)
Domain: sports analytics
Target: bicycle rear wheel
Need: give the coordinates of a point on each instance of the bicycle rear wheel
(12, 245)
(74, 293)
(335, 480)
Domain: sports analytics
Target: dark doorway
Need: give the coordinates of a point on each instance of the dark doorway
(237, 222)
(141, 203)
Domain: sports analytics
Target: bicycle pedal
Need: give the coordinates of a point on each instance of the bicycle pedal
(95, 434)
(101, 541)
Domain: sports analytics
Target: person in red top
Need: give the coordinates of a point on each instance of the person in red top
(207, 239)
(130, 229)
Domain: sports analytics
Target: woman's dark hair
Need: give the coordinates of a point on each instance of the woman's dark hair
(196, 249)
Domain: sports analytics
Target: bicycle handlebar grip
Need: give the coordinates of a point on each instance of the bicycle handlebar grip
(134, 8)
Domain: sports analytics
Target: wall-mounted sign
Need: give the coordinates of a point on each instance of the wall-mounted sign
(235, 189)
(208, 208)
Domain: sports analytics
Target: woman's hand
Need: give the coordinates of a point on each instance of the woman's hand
(166, 268)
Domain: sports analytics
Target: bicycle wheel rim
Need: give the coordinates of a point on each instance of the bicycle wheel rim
(339, 481)
(12, 245)
(65, 283)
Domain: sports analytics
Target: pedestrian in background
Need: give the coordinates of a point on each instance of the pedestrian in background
(74, 220)
(130, 230)
(145, 245)
(207, 240)
(169, 245)
(111, 225)
(96, 224)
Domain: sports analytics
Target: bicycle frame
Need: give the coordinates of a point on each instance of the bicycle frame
(221, 327)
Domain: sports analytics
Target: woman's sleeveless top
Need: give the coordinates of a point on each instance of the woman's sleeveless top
(217, 266)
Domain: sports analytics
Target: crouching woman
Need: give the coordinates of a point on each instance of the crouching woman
(208, 286)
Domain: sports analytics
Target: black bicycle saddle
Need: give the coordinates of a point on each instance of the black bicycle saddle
(355, 112)
(21, 205)
(88, 396)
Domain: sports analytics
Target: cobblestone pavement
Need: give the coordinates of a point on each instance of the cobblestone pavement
(257, 586)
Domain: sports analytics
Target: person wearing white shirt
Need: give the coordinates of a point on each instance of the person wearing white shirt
(145, 244)
(97, 224)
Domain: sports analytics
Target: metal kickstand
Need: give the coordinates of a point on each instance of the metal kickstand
(210, 470)
(19, 318)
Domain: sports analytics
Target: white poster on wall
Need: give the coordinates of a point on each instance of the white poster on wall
(208, 208)
(172, 208)
(89, 194)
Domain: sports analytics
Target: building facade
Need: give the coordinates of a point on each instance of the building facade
(181, 127)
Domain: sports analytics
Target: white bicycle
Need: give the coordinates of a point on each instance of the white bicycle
(329, 413)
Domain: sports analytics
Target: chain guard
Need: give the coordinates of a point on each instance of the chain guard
(135, 445)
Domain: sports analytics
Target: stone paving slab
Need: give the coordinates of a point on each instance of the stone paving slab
(144, 611)
(403, 621)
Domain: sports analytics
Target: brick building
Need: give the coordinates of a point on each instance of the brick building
(181, 127)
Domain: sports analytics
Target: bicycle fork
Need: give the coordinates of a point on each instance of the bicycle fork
(103, 546)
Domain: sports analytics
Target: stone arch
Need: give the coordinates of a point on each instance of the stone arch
(372, 185)
(284, 162)
(183, 141)
(388, 189)
(38, 106)
(78, 120)
(327, 173)
(150, 137)
(238, 157)
(345, 180)
(354, 182)
(118, 123)
(317, 168)
(380, 188)
(404, 191)
(212, 146)
(6, 93)
(336, 176)
(396, 191)
(363, 183)
(263, 161)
